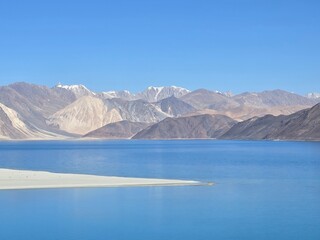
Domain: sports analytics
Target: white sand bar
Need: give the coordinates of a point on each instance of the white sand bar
(21, 179)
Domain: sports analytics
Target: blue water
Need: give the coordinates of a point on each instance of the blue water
(264, 190)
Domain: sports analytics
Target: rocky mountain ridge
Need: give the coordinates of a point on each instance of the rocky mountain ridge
(302, 125)
(200, 126)
(74, 110)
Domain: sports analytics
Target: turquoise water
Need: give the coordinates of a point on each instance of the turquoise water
(264, 190)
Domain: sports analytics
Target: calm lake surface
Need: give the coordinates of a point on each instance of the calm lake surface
(264, 190)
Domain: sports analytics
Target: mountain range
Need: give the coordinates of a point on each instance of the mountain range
(29, 111)
(302, 125)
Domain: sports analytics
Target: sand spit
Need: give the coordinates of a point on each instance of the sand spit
(22, 179)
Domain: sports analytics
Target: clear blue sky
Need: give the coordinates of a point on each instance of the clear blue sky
(220, 45)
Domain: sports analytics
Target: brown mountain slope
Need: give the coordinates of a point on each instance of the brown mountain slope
(302, 125)
(201, 126)
(174, 106)
(203, 98)
(123, 129)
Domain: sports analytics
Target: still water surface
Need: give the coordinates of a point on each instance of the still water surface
(264, 190)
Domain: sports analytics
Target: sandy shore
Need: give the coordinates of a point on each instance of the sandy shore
(21, 179)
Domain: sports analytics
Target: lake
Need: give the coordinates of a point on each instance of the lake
(263, 190)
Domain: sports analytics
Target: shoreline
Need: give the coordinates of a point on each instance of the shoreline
(2, 140)
(11, 179)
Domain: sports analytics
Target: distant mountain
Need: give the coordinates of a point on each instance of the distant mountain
(154, 94)
(35, 103)
(314, 96)
(203, 98)
(272, 99)
(247, 105)
(174, 106)
(302, 125)
(12, 126)
(201, 126)
(276, 102)
(125, 95)
(137, 110)
(118, 130)
(151, 94)
(84, 115)
(89, 113)
(42, 98)
(77, 90)
(73, 110)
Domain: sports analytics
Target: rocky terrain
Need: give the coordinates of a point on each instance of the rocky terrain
(302, 125)
(200, 126)
(84, 115)
(30, 111)
(174, 106)
(12, 126)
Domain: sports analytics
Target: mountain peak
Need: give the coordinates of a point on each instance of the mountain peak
(154, 94)
(78, 89)
(75, 86)
(155, 88)
(313, 95)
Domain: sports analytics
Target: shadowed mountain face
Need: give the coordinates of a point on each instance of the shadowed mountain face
(174, 106)
(123, 129)
(302, 125)
(47, 100)
(35, 103)
(201, 126)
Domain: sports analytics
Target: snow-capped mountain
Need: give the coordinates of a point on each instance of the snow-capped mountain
(78, 90)
(227, 94)
(313, 95)
(35, 111)
(151, 94)
(125, 94)
(154, 94)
